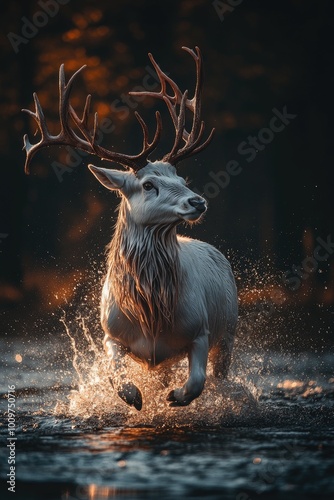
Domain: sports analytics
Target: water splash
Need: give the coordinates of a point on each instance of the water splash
(266, 325)
(94, 396)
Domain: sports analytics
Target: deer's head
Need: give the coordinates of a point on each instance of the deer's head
(153, 191)
(156, 195)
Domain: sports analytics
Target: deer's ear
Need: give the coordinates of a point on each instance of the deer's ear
(111, 179)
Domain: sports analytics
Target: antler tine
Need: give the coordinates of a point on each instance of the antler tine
(64, 98)
(38, 116)
(179, 126)
(141, 158)
(46, 138)
(164, 79)
(191, 139)
(144, 128)
(88, 142)
(66, 111)
(85, 115)
(196, 102)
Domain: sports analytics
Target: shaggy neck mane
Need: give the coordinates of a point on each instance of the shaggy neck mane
(143, 270)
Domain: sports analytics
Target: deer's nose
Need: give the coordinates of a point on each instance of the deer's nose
(198, 203)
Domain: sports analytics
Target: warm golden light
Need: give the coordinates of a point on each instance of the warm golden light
(18, 358)
(290, 384)
(57, 289)
(72, 35)
(95, 492)
(300, 388)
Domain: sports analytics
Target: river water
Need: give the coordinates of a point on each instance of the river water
(267, 432)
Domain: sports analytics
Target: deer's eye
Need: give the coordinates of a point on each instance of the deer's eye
(148, 186)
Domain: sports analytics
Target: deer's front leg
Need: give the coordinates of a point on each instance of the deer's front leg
(198, 358)
(125, 389)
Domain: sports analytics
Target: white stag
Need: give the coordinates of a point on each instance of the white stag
(165, 296)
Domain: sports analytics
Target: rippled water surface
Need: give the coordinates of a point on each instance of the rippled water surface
(267, 432)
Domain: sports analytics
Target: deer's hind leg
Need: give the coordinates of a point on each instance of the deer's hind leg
(220, 356)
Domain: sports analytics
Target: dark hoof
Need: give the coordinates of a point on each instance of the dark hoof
(138, 402)
(176, 402)
(131, 395)
(171, 396)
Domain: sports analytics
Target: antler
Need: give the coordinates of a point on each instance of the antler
(191, 139)
(88, 142)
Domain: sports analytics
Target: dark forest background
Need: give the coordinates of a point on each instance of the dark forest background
(258, 56)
